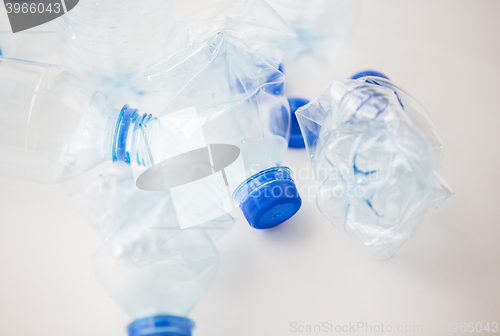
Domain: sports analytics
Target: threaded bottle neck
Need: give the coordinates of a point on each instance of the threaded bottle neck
(161, 325)
(128, 121)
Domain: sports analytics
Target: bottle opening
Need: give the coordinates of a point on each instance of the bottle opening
(161, 325)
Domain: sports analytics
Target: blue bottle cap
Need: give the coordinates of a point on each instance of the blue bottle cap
(296, 138)
(162, 325)
(369, 73)
(268, 198)
(126, 118)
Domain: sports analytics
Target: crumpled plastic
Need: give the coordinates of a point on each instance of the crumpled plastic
(147, 264)
(159, 272)
(190, 46)
(377, 155)
(119, 212)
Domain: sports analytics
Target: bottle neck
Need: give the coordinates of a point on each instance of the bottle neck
(161, 325)
(129, 121)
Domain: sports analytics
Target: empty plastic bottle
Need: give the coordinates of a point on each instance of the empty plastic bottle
(377, 154)
(54, 126)
(221, 68)
(150, 267)
(157, 276)
(233, 99)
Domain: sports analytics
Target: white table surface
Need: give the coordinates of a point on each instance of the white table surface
(447, 54)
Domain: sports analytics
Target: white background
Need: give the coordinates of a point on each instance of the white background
(447, 54)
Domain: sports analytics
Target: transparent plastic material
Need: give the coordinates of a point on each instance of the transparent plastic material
(153, 269)
(112, 41)
(231, 100)
(322, 26)
(228, 120)
(53, 125)
(221, 71)
(158, 272)
(229, 112)
(252, 22)
(115, 207)
(377, 154)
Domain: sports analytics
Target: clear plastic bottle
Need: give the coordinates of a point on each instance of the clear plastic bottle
(111, 42)
(157, 276)
(221, 70)
(377, 154)
(54, 126)
(154, 270)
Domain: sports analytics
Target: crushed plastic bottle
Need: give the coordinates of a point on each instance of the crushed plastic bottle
(157, 272)
(377, 154)
(55, 127)
(240, 126)
(234, 100)
(110, 42)
(322, 26)
(152, 269)
(252, 22)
